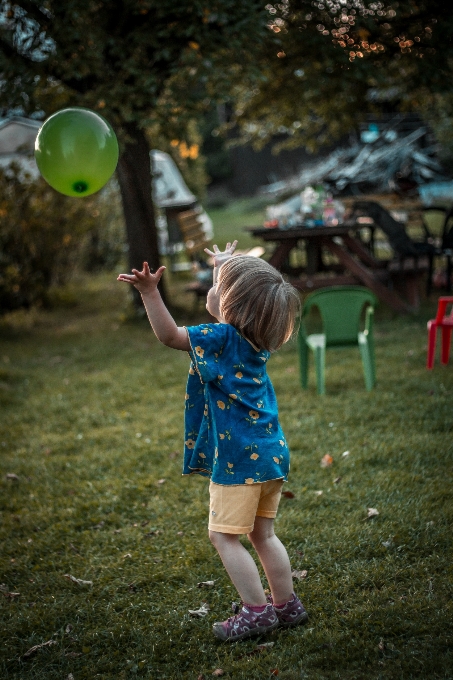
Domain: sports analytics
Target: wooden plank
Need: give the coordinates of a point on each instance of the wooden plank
(281, 253)
(190, 223)
(359, 249)
(367, 277)
(192, 231)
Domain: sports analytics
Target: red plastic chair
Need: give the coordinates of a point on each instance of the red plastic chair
(446, 324)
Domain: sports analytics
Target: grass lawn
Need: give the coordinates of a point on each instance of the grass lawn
(229, 221)
(91, 440)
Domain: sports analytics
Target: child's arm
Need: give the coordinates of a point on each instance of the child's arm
(220, 258)
(159, 317)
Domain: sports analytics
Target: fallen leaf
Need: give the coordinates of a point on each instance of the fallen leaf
(318, 493)
(372, 512)
(68, 628)
(337, 480)
(117, 531)
(381, 645)
(218, 672)
(274, 671)
(288, 494)
(200, 612)
(180, 533)
(126, 556)
(13, 477)
(70, 677)
(206, 584)
(161, 481)
(79, 581)
(326, 461)
(299, 574)
(345, 453)
(34, 649)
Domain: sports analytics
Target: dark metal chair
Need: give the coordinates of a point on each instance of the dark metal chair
(422, 252)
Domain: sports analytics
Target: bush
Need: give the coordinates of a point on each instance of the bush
(44, 236)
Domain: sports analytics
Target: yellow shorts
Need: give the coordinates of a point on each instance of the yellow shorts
(232, 509)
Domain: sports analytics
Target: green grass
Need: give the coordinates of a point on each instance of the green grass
(92, 420)
(230, 221)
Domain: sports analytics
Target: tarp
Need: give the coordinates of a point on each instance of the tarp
(169, 188)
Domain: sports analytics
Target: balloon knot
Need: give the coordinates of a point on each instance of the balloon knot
(80, 187)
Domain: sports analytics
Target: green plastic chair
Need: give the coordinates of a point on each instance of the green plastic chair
(340, 308)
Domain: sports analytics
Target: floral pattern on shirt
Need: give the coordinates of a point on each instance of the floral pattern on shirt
(232, 433)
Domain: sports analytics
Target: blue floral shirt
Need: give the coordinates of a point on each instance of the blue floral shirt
(232, 433)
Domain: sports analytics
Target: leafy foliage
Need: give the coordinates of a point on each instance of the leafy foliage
(337, 61)
(137, 61)
(44, 235)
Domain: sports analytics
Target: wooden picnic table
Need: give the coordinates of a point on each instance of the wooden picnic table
(353, 263)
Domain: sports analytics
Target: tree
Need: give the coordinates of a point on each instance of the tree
(334, 61)
(139, 63)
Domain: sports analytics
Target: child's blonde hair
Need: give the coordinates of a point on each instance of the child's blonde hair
(257, 301)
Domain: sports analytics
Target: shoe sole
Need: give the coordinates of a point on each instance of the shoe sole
(250, 633)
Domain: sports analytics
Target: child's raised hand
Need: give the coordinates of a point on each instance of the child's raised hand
(143, 281)
(219, 256)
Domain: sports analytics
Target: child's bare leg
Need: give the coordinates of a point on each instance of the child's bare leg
(240, 566)
(274, 558)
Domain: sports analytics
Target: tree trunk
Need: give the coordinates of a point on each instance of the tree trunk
(134, 176)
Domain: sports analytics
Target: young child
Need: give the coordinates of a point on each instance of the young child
(232, 433)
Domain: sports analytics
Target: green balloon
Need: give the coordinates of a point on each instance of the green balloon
(76, 151)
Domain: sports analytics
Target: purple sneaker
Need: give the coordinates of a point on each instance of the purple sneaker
(246, 623)
(292, 613)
